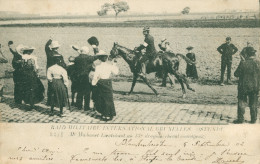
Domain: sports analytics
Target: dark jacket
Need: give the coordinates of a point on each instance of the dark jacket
(16, 62)
(227, 50)
(51, 55)
(83, 64)
(150, 48)
(248, 73)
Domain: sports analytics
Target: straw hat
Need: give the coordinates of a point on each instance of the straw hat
(84, 50)
(28, 48)
(19, 49)
(54, 44)
(102, 53)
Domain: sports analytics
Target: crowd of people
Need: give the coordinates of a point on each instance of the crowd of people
(90, 75)
(85, 72)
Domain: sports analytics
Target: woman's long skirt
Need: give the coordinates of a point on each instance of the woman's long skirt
(58, 94)
(191, 71)
(104, 101)
(32, 88)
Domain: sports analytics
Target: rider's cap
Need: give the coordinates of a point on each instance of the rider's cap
(189, 48)
(228, 38)
(146, 29)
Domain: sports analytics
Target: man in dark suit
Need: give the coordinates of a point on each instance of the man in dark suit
(226, 50)
(83, 66)
(248, 73)
(148, 45)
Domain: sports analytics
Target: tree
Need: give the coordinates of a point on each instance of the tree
(186, 10)
(117, 7)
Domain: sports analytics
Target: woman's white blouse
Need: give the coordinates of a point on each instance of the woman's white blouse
(103, 71)
(57, 72)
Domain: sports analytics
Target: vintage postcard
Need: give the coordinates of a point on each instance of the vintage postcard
(129, 81)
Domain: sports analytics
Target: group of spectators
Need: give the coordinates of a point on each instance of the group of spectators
(29, 88)
(90, 75)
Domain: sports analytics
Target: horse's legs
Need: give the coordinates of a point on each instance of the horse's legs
(172, 80)
(164, 79)
(149, 85)
(185, 81)
(133, 83)
(177, 75)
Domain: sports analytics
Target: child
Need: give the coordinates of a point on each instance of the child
(72, 76)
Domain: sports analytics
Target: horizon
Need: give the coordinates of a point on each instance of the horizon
(70, 7)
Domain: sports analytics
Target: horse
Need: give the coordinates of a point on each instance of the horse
(168, 65)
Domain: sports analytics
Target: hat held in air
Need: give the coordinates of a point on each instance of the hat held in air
(84, 50)
(54, 44)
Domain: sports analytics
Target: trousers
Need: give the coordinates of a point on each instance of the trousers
(224, 64)
(252, 102)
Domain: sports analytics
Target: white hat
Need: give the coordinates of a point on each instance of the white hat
(102, 53)
(27, 48)
(84, 50)
(54, 44)
(19, 49)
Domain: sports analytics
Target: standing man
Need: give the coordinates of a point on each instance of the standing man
(51, 50)
(248, 73)
(226, 50)
(148, 45)
(83, 66)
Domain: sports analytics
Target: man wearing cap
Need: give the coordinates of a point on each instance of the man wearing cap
(83, 65)
(226, 50)
(51, 50)
(248, 73)
(17, 65)
(150, 49)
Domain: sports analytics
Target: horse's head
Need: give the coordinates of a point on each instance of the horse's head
(114, 52)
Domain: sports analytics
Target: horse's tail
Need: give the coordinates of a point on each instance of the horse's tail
(186, 59)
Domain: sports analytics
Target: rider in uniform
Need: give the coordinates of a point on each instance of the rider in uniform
(150, 50)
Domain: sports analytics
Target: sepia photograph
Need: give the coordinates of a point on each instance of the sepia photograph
(129, 66)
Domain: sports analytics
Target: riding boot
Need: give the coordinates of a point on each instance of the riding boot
(143, 69)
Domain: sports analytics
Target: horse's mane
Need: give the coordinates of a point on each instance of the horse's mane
(127, 49)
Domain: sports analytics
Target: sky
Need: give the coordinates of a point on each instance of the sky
(52, 7)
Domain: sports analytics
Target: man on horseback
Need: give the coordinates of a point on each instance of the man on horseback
(150, 50)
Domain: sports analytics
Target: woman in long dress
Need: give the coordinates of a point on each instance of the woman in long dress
(191, 70)
(33, 89)
(59, 82)
(104, 101)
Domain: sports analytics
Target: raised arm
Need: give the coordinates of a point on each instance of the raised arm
(47, 48)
